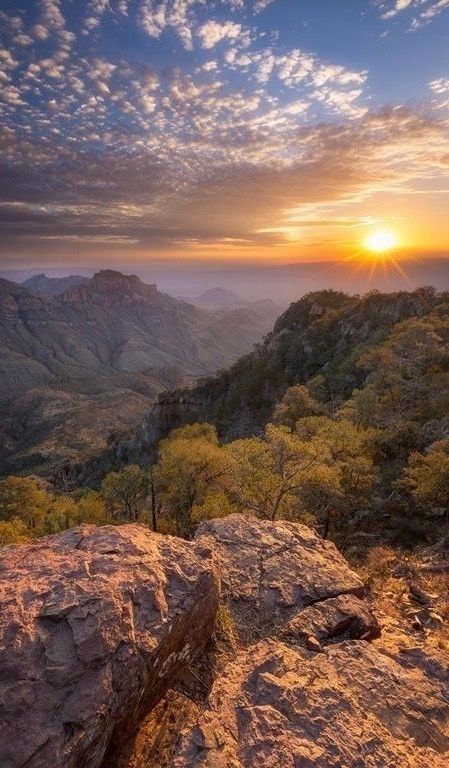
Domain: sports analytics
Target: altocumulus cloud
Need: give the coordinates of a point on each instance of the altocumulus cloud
(102, 141)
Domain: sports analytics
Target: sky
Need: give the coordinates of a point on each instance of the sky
(222, 131)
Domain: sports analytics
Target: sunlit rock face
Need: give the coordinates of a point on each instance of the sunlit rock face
(95, 624)
(100, 629)
(352, 705)
(313, 682)
(271, 571)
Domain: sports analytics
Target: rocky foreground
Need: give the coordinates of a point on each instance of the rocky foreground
(108, 657)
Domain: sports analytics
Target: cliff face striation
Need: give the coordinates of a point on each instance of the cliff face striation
(100, 629)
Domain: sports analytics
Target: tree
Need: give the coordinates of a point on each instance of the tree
(320, 494)
(426, 477)
(14, 531)
(191, 467)
(90, 508)
(22, 498)
(349, 450)
(401, 372)
(265, 472)
(296, 404)
(125, 492)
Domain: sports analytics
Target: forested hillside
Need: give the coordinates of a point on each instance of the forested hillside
(340, 419)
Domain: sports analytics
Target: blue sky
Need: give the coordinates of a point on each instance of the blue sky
(260, 128)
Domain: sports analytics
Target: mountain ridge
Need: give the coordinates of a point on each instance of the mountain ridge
(113, 326)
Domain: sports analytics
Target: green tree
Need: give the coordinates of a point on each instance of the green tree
(296, 404)
(14, 531)
(24, 499)
(191, 467)
(126, 492)
(266, 472)
(320, 495)
(350, 450)
(426, 477)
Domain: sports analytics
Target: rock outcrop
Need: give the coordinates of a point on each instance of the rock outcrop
(350, 707)
(270, 571)
(95, 624)
(101, 629)
(306, 688)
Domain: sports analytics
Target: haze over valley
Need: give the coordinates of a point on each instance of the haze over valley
(82, 359)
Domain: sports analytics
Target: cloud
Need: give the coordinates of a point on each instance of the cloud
(213, 32)
(441, 88)
(425, 10)
(260, 5)
(156, 17)
(169, 199)
(221, 146)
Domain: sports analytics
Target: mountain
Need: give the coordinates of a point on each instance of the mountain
(53, 285)
(78, 364)
(222, 298)
(219, 297)
(323, 334)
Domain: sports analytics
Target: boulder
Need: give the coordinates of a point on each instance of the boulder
(270, 571)
(351, 706)
(312, 693)
(333, 620)
(95, 625)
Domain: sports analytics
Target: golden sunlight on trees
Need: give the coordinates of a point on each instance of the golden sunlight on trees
(266, 473)
(190, 472)
(126, 492)
(22, 498)
(28, 510)
(426, 476)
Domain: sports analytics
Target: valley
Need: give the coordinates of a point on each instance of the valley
(81, 363)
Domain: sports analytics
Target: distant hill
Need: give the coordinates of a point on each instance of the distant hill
(53, 285)
(66, 355)
(222, 298)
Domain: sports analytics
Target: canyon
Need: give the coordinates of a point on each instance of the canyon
(85, 360)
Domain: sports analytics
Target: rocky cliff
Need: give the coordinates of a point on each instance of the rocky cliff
(104, 648)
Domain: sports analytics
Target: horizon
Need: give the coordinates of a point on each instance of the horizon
(281, 283)
(262, 131)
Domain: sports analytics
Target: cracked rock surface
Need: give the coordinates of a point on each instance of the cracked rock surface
(270, 571)
(349, 707)
(306, 688)
(95, 625)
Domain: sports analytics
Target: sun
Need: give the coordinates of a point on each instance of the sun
(381, 240)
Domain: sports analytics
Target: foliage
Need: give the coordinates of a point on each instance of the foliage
(14, 531)
(266, 472)
(190, 468)
(296, 404)
(28, 509)
(23, 499)
(340, 419)
(426, 476)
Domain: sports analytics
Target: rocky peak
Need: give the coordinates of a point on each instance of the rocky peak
(107, 280)
(110, 285)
